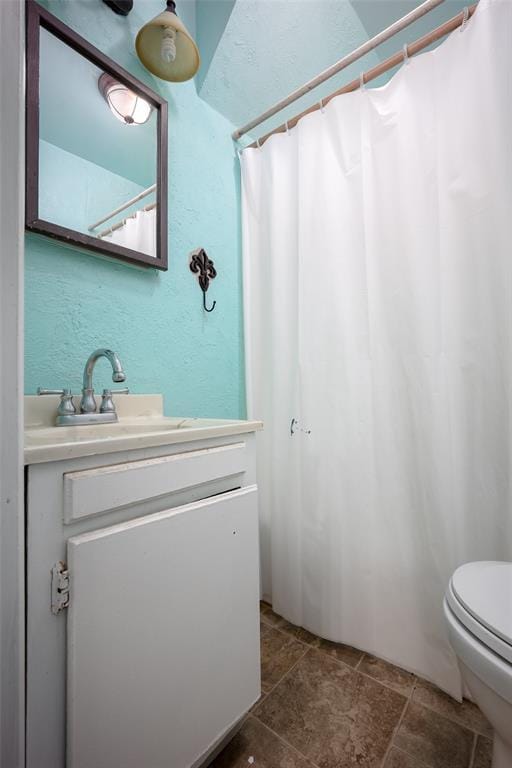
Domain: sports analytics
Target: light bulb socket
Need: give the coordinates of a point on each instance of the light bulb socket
(122, 7)
(171, 7)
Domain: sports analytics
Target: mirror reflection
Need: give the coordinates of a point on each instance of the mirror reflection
(97, 151)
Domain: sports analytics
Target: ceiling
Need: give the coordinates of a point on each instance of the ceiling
(255, 52)
(376, 15)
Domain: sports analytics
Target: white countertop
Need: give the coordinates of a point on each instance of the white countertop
(141, 425)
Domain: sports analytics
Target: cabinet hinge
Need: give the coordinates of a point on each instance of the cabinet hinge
(60, 587)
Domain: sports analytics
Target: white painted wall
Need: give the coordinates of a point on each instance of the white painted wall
(12, 117)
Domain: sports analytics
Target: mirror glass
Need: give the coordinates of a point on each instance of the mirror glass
(97, 151)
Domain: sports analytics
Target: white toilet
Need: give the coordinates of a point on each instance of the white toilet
(478, 610)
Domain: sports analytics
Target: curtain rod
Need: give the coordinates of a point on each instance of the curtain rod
(123, 207)
(408, 50)
(343, 63)
(123, 221)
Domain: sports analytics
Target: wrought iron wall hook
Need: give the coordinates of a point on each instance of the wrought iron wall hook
(204, 304)
(203, 267)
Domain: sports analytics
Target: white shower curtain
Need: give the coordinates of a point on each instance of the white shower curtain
(378, 294)
(138, 232)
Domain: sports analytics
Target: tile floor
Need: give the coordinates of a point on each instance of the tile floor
(326, 705)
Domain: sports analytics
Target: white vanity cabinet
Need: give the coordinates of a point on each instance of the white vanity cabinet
(143, 646)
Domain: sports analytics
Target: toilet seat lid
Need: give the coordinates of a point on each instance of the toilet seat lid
(484, 589)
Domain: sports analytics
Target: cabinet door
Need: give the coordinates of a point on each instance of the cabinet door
(163, 634)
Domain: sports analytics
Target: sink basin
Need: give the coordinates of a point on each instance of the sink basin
(44, 435)
(141, 425)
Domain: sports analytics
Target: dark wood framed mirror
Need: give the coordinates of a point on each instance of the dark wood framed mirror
(96, 148)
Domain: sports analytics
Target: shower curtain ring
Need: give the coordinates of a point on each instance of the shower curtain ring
(322, 108)
(406, 54)
(465, 17)
(287, 128)
(258, 143)
(361, 81)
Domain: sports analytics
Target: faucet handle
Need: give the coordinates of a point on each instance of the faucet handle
(66, 405)
(107, 404)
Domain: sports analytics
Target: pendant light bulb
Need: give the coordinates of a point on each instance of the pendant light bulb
(168, 49)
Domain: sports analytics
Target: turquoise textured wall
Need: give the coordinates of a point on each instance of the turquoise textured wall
(74, 192)
(76, 302)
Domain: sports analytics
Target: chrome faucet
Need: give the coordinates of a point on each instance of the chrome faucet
(88, 403)
(66, 413)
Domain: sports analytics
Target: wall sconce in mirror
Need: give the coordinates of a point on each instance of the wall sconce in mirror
(91, 182)
(127, 106)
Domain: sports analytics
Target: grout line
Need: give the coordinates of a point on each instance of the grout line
(387, 686)
(395, 731)
(284, 631)
(409, 697)
(286, 743)
(267, 693)
(417, 761)
(290, 636)
(473, 751)
(309, 648)
(261, 699)
(319, 649)
(264, 620)
(451, 719)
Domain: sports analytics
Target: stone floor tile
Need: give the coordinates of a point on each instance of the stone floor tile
(483, 753)
(466, 713)
(341, 652)
(273, 619)
(299, 633)
(332, 714)
(345, 653)
(257, 703)
(279, 652)
(434, 739)
(398, 759)
(388, 674)
(263, 628)
(255, 745)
